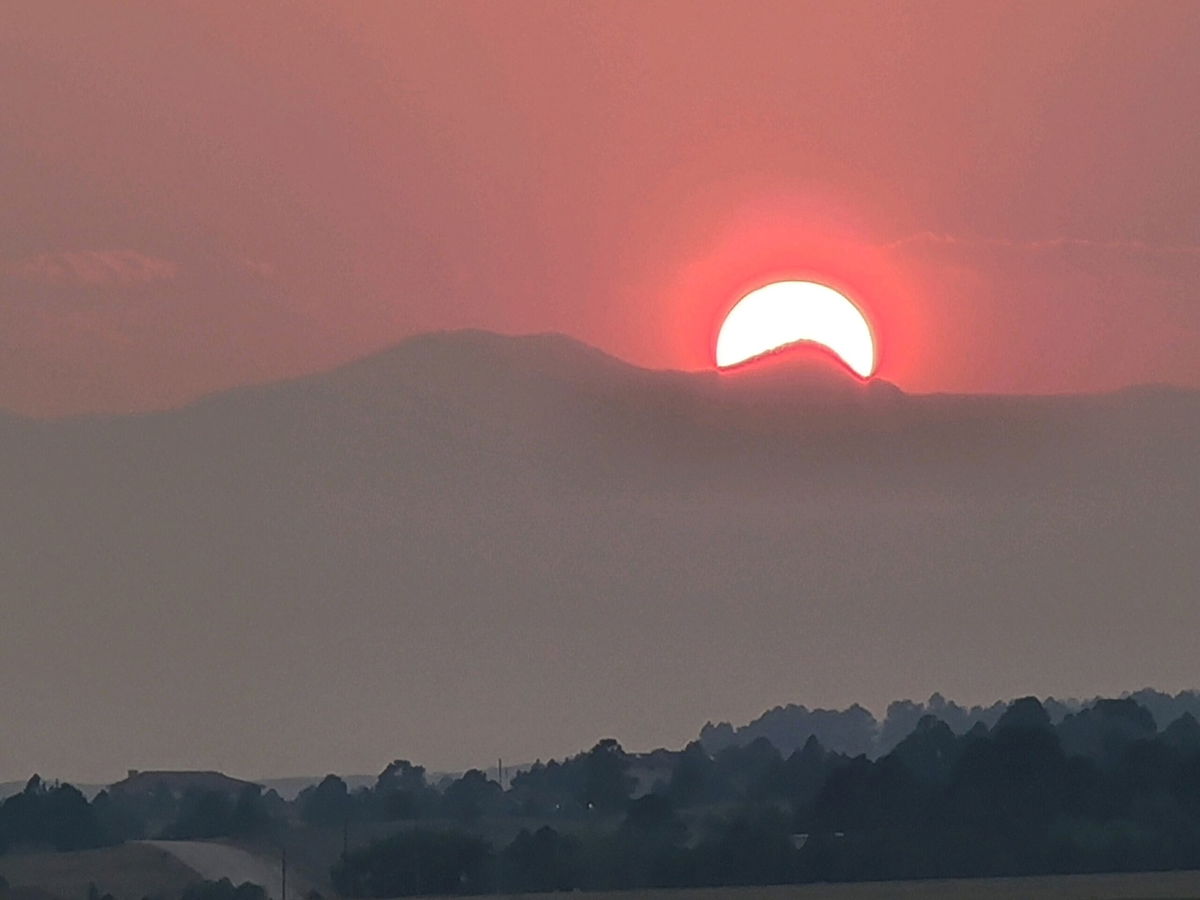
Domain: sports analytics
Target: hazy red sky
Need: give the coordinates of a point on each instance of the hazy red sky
(199, 195)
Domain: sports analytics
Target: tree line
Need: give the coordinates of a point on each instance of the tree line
(856, 730)
(1102, 788)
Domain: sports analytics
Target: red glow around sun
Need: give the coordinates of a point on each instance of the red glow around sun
(771, 245)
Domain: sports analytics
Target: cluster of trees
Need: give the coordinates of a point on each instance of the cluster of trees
(1101, 790)
(595, 783)
(401, 792)
(211, 814)
(650, 846)
(855, 730)
(1039, 789)
(194, 815)
(59, 817)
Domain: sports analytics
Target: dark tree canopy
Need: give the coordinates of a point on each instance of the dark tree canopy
(1034, 787)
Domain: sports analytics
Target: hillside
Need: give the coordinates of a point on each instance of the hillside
(127, 871)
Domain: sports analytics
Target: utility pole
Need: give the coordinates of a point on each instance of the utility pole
(500, 772)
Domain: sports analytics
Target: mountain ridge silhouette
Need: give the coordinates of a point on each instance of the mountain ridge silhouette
(474, 542)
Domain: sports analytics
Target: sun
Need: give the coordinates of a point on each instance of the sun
(787, 312)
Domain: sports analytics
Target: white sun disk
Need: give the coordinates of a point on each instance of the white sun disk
(786, 312)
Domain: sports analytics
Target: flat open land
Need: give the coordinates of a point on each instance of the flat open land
(127, 871)
(132, 871)
(1141, 886)
(147, 869)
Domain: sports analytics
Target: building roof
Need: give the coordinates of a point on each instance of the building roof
(178, 782)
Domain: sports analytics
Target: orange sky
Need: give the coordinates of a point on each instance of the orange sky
(209, 194)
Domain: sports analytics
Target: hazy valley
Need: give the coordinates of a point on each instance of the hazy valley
(475, 546)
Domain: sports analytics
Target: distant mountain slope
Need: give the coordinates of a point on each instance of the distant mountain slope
(474, 546)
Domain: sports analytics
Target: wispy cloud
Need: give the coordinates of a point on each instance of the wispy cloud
(258, 267)
(91, 268)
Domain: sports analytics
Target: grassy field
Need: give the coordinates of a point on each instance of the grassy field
(128, 872)
(132, 871)
(1144, 886)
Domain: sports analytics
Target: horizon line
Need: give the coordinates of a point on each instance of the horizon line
(713, 371)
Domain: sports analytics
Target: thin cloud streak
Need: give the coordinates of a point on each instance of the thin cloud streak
(92, 268)
(931, 238)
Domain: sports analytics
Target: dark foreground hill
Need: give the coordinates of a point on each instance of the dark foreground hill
(473, 546)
